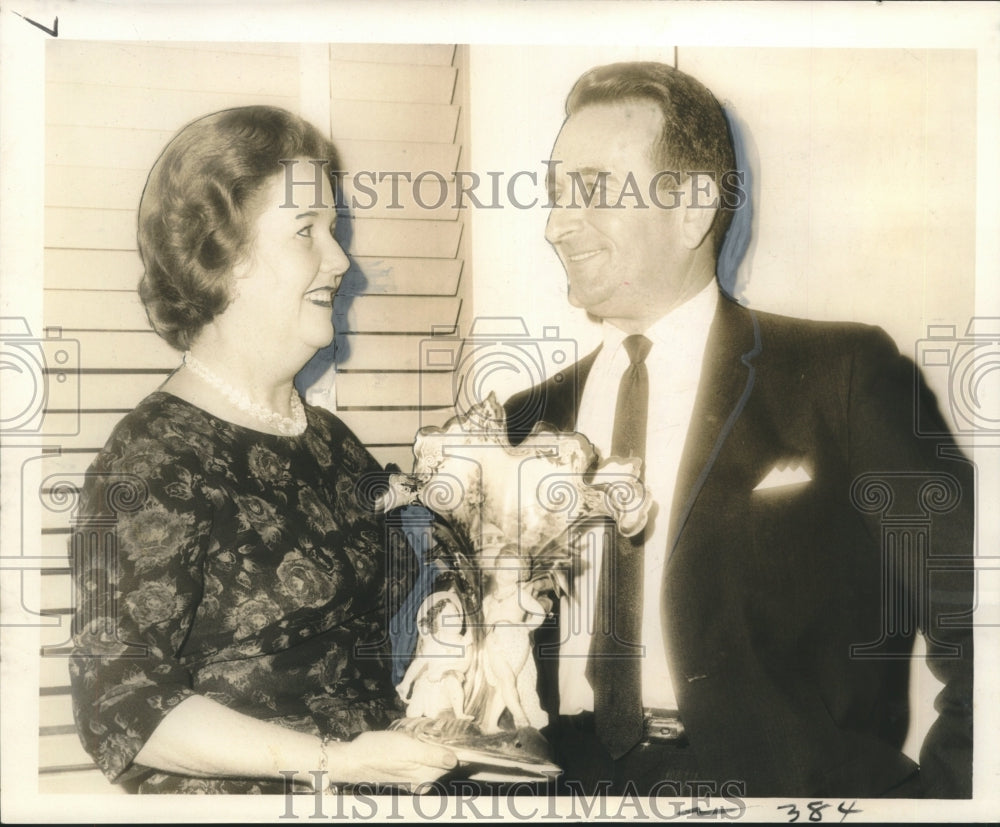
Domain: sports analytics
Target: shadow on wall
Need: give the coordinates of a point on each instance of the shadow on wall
(732, 269)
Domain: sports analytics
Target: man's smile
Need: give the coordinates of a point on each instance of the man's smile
(577, 257)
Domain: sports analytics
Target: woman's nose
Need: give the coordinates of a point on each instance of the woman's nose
(335, 260)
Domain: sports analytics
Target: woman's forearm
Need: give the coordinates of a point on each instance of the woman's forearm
(201, 737)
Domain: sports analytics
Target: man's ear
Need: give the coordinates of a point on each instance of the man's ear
(701, 203)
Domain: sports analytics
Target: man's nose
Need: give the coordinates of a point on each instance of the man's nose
(561, 222)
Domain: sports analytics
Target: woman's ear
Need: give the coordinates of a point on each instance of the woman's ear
(241, 268)
(701, 203)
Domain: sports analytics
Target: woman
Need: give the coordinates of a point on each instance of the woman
(242, 638)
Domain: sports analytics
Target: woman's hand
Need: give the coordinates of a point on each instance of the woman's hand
(388, 758)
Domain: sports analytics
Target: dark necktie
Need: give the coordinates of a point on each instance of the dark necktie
(615, 666)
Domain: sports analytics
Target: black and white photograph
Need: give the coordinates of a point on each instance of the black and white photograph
(530, 412)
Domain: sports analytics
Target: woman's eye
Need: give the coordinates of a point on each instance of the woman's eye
(305, 232)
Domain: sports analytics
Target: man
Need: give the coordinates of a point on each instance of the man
(760, 629)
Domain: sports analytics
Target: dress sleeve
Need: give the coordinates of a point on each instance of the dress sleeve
(898, 439)
(137, 548)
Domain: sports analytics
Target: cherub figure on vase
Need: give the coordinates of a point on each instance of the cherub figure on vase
(510, 614)
(435, 681)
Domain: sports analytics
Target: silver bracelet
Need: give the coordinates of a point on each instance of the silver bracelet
(324, 759)
(324, 762)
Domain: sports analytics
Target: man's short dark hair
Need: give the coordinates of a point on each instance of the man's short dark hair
(199, 206)
(695, 136)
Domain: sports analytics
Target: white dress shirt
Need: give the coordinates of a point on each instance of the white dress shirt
(674, 366)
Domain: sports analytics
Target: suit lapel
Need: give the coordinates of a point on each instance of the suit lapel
(727, 379)
(555, 402)
(563, 407)
(560, 403)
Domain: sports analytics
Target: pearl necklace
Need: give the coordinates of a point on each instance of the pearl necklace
(287, 426)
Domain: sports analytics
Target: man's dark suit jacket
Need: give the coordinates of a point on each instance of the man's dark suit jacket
(765, 593)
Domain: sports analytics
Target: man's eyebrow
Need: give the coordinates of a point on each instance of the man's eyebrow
(587, 170)
(581, 172)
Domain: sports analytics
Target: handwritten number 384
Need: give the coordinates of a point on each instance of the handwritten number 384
(816, 810)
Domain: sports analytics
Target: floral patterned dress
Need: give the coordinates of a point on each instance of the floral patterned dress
(249, 569)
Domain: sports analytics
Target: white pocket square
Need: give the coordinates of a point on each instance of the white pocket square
(778, 477)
